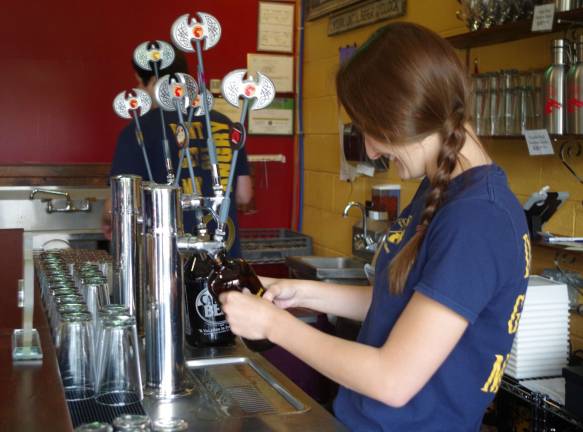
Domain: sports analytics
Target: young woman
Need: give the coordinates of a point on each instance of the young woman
(439, 322)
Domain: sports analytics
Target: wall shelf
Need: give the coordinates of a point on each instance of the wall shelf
(510, 31)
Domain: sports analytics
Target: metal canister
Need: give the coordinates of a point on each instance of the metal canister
(575, 92)
(555, 89)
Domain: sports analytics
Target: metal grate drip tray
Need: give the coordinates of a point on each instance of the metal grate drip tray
(87, 411)
(250, 400)
(242, 388)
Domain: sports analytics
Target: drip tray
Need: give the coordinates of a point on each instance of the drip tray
(232, 394)
(242, 388)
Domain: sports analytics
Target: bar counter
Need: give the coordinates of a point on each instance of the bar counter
(32, 397)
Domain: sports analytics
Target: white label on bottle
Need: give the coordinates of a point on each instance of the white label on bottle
(538, 142)
(208, 310)
(543, 18)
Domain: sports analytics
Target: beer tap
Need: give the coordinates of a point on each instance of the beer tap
(135, 103)
(185, 31)
(163, 243)
(153, 56)
(256, 94)
(176, 93)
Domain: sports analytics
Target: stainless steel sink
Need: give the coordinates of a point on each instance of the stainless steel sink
(321, 268)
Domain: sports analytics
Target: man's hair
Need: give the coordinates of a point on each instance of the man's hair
(178, 65)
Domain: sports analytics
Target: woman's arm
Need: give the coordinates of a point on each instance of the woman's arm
(423, 337)
(347, 301)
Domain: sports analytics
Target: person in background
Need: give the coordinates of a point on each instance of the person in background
(438, 324)
(128, 158)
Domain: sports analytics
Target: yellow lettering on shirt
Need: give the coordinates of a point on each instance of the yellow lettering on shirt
(218, 126)
(187, 185)
(515, 317)
(395, 236)
(492, 384)
(527, 255)
(196, 130)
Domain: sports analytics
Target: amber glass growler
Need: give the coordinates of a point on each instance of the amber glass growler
(235, 274)
(206, 324)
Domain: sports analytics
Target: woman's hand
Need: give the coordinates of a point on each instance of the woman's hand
(249, 316)
(284, 293)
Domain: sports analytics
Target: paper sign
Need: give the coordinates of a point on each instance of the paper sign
(543, 18)
(539, 143)
(366, 169)
(279, 69)
(275, 27)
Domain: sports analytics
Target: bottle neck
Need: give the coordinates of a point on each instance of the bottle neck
(559, 56)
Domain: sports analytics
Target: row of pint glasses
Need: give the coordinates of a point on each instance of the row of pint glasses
(96, 341)
(483, 14)
(507, 102)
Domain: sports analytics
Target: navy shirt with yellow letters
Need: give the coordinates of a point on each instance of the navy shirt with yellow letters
(474, 260)
(128, 159)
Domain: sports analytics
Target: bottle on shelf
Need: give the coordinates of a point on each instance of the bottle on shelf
(554, 89)
(206, 324)
(575, 91)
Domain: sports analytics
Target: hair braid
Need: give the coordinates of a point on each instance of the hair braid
(453, 137)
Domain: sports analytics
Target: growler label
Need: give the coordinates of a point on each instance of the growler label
(208, 310)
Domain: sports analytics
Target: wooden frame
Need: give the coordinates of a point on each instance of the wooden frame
(319, 8)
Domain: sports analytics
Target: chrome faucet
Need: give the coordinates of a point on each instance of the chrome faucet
(69, 207)
(369, 243)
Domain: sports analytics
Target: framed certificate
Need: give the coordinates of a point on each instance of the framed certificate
(278, 68)
(275, 30)
(276, 119)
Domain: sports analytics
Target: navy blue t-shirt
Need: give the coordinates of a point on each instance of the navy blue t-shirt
(128, 159)
(474, 260)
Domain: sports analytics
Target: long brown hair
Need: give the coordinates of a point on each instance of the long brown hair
(404, 84)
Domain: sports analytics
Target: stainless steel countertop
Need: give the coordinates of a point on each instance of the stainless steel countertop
(208, 410)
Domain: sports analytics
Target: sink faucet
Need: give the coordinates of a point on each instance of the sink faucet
(69, 208)
(370, 244)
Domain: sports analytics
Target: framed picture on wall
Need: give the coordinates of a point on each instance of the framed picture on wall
(275, 27)
(278, 68)
(276, 119)
(319, 8)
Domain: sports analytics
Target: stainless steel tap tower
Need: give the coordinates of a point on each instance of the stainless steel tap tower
(165, 370)
(157, 208)
(126, 205)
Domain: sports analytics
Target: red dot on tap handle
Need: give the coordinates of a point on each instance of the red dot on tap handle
(197, 31)
(133, 103)
(249, 90)
(235, 136)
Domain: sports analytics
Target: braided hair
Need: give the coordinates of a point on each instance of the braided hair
(403, 85)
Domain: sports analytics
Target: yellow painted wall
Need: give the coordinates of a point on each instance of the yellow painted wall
(326, 196)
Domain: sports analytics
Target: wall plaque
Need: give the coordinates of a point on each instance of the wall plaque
(319, 8)
(364, 14)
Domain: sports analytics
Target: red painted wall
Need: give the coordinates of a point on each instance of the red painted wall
(63, 62)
